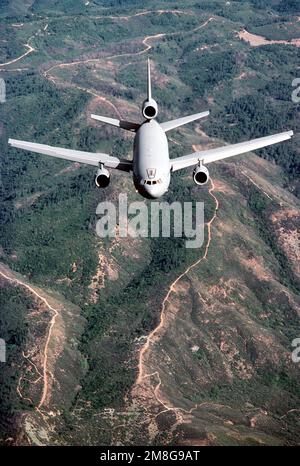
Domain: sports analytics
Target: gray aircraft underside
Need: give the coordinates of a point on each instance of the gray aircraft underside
(151, 165)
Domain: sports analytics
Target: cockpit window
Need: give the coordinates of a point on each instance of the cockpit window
(151, 182)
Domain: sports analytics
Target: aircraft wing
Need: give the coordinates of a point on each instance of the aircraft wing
(89, 158)
(220, 153)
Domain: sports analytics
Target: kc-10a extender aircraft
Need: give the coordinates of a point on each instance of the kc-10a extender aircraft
(151, 165)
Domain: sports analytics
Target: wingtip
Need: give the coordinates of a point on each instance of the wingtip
(291, 133)
(204, 114)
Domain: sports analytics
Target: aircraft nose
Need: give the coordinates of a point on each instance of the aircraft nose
(154, 191)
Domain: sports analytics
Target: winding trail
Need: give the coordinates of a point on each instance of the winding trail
(52, 323)
(47, 73)
(143, 13)
(142, 375)
(142, 364)
(146, 42)
(30, 50)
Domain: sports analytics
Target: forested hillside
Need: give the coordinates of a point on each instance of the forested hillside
(238, 295)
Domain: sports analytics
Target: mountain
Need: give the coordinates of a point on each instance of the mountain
(140, 340)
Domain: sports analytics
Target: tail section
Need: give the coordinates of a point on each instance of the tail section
(150, 111)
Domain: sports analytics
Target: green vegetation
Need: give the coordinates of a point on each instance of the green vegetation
(48, 207)
(204, 71)
(253, 116)
(269, 385)
(14, 305)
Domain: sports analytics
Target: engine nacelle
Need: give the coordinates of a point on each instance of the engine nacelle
(150, 109)
(102, 178)
(201, 175)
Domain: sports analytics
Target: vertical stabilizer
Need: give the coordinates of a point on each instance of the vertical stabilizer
(149, 106)
(149, 81)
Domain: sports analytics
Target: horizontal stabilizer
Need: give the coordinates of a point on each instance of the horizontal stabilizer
(220, 153)
(128, 125)
(168, 125)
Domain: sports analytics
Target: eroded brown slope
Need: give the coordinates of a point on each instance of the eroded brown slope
(219, 370)
(51, 366)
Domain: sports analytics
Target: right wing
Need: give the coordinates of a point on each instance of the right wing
(89, 158)
(220, 153)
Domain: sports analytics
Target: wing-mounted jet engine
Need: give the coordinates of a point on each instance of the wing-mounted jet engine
(201, 175)
(102, 178)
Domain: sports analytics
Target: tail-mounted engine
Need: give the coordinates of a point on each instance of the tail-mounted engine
(150, 109)
(102, 178)
(201, 175)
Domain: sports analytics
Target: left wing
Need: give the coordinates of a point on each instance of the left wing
(89, 158)
(220, 153)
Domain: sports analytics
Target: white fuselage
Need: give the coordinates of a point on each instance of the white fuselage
(151, 162)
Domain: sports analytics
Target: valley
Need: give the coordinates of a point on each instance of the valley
(139, 341)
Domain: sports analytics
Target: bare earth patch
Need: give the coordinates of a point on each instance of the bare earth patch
(287, 230)
(257, 41)
(27, 201)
